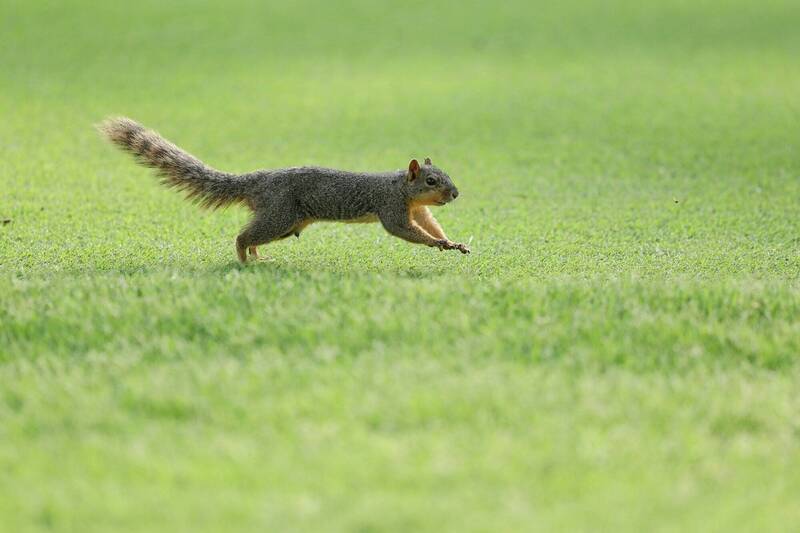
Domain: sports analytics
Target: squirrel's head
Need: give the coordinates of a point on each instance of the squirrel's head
(428, 184)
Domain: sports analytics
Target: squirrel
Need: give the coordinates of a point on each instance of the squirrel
(285, 201)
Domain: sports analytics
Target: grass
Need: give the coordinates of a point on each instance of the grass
(618, 353)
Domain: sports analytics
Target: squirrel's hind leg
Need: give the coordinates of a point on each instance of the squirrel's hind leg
(264, 228)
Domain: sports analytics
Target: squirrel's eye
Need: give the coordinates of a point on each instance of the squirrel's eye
(430, 181)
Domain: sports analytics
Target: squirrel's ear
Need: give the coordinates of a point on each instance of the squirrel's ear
(428, 161)
(413, 169)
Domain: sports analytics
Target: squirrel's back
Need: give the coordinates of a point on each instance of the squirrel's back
(325, 193)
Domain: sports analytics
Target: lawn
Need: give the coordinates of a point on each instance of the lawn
(619, 352)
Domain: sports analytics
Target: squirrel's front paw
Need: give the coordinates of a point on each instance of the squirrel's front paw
(444, 244)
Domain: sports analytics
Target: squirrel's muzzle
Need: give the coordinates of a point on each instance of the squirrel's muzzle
(450, 195)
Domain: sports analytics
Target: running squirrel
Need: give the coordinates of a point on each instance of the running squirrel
(285, 201)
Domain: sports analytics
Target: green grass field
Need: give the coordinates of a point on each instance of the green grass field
(619, 352)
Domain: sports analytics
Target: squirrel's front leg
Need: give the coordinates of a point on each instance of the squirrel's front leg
(425, 219)
(403, 227)
(423, 216)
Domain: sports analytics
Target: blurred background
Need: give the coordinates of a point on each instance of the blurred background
(618, 352)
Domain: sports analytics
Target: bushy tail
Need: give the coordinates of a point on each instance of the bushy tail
(177, 169)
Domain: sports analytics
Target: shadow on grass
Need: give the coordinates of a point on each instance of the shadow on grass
(277, 267)
(317, 266)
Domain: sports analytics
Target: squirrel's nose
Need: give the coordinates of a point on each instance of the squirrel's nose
(455, 193)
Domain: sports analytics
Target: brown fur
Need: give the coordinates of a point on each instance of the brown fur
(427, 198)
(425, 219)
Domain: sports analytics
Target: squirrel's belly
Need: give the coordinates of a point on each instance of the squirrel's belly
(363, 219)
